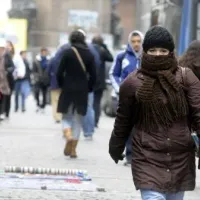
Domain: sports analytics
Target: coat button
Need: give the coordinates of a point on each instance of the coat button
(168, 139)
(168, 154)
(168, 170)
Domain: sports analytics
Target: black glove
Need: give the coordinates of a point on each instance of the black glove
(117, 158)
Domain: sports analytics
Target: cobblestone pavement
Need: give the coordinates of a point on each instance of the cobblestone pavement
(32, 139)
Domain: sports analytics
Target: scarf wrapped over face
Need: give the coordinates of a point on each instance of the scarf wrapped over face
(161, 99)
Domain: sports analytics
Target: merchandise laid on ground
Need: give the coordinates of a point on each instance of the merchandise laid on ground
(46, 179)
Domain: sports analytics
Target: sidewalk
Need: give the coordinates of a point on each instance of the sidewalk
(32, 139)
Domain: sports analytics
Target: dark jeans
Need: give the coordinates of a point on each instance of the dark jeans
(43, 89)
(5, 104)
(129, 149)
(97, 105)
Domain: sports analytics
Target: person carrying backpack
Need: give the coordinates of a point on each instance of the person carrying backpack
(125, 63)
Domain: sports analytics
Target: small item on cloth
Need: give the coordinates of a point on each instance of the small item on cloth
(196, 140)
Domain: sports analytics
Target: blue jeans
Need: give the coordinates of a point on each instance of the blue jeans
(89, 118)
(152, 195)
(21, 87)
(72, 120)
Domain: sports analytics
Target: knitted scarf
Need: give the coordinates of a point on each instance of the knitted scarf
(161, 99)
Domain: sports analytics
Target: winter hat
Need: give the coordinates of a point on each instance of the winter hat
(158, 36)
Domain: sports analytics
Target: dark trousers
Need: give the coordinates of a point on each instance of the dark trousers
(129, 149)
(97, 105)
(43, 89)
(5, 104)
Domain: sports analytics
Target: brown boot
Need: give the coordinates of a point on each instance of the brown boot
(68, 148)
(73, 150)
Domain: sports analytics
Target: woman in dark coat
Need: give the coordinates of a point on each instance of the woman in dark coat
(157, 104)
(76, 78)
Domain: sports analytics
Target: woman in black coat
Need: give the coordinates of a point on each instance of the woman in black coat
(75, 80)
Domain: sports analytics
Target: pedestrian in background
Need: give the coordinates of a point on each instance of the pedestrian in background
(88, 122)
(55, 90)
(125, 63)
(89, 118)
(76, 77)
(160, 101)
(41, 78)
(191, 58)
(4, 84)
(9, 52)
(22, 82)
(105, 56)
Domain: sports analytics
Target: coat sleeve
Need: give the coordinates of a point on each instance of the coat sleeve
(124, 121)
(115, 73)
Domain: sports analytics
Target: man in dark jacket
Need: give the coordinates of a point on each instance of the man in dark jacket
(88, 120)
(41, 77)
(76, 76)
(105, 56)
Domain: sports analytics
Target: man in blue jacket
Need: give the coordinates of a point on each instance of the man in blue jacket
(125, 63)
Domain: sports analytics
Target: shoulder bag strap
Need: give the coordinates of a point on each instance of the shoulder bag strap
(79, 59)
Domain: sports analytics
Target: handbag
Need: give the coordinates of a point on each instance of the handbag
(193, 134)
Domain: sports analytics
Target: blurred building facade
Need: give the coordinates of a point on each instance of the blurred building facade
(50, 20)
(126, 11)
(159, 12)
(170, 14)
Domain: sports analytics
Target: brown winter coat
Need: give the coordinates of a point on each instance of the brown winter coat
(162, 161)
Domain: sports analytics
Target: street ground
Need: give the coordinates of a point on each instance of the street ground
(31, 139)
